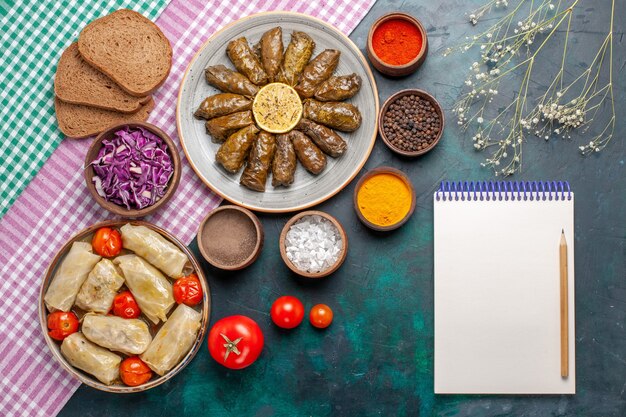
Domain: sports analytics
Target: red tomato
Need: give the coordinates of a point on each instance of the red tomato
(235, 341)
(134, 371)
(62, 324)
(107, 242)
(287, 312)
(124, 305)
(321, 316)
(188, 290)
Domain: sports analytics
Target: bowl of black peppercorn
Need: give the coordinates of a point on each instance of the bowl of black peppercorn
(411, 122)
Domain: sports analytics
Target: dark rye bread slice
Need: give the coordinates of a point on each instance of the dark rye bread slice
(78, 121)
(77, 82)
(128, 48)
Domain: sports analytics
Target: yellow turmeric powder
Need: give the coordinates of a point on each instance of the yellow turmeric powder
(384, 199)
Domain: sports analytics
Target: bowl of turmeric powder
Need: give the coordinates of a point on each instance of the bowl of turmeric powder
(397, 44)
(384, 199)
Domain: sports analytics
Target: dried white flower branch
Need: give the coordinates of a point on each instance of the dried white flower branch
(507, 52)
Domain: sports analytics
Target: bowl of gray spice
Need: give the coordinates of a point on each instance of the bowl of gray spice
(411, 122)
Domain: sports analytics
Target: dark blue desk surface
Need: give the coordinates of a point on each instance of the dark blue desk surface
(377, 357)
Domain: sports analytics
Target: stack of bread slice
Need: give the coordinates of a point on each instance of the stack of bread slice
(109, 75)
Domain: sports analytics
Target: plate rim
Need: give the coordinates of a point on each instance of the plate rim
(319, 200)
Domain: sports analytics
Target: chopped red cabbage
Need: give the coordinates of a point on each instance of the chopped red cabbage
(133, 168)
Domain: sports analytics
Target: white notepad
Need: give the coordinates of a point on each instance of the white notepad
(497, 287)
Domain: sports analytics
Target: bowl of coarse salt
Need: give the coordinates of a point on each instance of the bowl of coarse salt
(313, 244)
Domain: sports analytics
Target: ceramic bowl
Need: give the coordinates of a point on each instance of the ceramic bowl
(397, 70)
(342, 254)
(92, 153)
(85, 378)
(245, 215)
(371, 173)
(398, 95)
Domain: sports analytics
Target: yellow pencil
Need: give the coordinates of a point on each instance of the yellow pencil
(564, 312)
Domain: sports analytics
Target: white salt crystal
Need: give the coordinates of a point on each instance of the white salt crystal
(313, 244)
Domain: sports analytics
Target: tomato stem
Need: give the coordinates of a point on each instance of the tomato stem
(231, 346)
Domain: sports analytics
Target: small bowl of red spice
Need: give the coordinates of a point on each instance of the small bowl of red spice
(397, 44)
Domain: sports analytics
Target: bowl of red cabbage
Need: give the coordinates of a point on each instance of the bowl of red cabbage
(132, 169)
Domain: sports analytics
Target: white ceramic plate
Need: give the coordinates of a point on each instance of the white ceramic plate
(307, 189)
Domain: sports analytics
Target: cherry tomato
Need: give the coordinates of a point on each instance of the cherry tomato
(321, 316)
(107, 242)
(62, 324)
(188, 290)
(287, 312)
(235, 341)
(124, 305)
(134, 371)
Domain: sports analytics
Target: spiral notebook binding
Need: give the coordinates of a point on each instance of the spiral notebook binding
(504, 190)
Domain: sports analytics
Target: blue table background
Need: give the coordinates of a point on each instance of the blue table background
(377, 357)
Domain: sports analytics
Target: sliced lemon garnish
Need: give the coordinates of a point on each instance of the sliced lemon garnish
(277, 108)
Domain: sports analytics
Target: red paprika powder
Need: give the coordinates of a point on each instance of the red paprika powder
(397, 42)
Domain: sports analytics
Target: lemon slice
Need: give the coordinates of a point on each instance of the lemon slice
(277, 108)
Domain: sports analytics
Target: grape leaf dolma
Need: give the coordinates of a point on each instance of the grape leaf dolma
(222, 127)
(284, 164)
(221, 105)
(317, 71)
(246, 61)
(326, 139)
(229, 81)
(337, 115)
(339, 88)
(255, 174)
(296, 57)
(271, 52)
(232, 154)
(309, 155)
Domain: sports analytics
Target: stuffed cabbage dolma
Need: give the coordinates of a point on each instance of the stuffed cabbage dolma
(296, 57)
(70, 276)
(341, 116)
(222, 127)
(229, 81)
(152, 291)
(246, 61)
(129, 336)
(271, 52)
(255, 174)
(173, 340)
(155, 249)
(91, 358)
(232, 154)
(338, 88)
(325, 138)
(317, 71)
(309, 155)
(100, 287)
(221, 105)
(284, 163)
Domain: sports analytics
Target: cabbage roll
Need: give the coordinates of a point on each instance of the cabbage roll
(232, 154)
(222, 127)
(152, 291)
(221, 105)
(174, 339)
(246, 61)
(325, 138)
(296, 57)
(98, 291)
(255, 174)
(69, 277)
(338, 88)
(229, 81)
(129, 336)
(271, 51)
(334, 114)
(91, 358)
(155, 249)
(317, 71)
(309, 155)
(284, 163)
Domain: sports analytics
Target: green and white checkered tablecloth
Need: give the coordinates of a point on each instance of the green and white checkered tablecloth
(34, 34)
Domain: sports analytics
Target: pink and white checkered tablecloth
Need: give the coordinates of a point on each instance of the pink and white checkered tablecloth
(57, 204)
